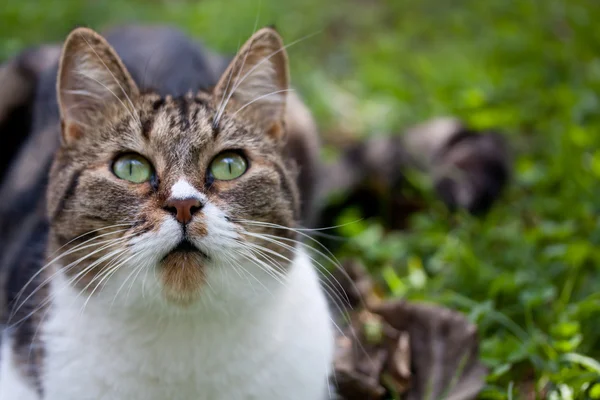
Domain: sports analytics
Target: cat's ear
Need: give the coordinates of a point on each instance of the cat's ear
(255, 85)
(91, 77)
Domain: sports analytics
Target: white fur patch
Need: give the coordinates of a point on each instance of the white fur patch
(183, 190)
(13, 385)
(263, 340)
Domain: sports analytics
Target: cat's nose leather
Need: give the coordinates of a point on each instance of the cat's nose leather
(183, 209)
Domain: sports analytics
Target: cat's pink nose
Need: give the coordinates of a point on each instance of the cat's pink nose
(183, 209)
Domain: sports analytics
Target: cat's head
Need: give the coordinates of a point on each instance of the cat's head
(174, 190)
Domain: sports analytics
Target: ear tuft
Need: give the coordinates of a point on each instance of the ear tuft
(91, 77)
(254, 87)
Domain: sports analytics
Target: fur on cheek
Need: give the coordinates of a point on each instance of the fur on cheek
(183, 276)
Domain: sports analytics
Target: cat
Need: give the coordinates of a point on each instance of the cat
(469, 170)
(173, 266)
(165, 63)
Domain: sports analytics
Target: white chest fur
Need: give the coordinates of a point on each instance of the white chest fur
(279, 347)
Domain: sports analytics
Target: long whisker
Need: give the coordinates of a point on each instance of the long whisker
(115, 256)
(338, 292)
(93, 280)
(266, 252)
(43, 284)
(336, 288)
(273, 272)
(273, 267)
(112, 271)
(127, 278)
(333, 300)
(39, 307)
(110, 243)
(89, 233)
(250, 259)
(140, 269)
(75, 279)
(270, 224)
(278, 241)
(104, 275)
(76, 248)
(327, 254)
(239, 270)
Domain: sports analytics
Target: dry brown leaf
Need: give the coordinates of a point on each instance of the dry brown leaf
(418, 351)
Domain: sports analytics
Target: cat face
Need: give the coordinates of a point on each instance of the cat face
(170, 188)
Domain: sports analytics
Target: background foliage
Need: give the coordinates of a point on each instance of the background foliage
(528, 272)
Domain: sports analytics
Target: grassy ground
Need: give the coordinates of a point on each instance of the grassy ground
(528, 273)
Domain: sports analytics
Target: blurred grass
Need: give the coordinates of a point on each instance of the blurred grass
(527, 273)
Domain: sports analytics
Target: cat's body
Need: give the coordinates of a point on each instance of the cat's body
(195, 299)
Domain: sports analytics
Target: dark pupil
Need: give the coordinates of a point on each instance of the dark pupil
(229, 161)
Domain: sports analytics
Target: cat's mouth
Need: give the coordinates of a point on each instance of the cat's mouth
(184, 247)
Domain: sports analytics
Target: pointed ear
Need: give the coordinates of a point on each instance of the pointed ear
(91, 77)
(255, 85)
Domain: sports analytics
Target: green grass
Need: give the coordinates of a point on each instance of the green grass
(527, 273)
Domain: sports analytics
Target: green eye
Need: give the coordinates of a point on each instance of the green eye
(133, 168)
(227, 166)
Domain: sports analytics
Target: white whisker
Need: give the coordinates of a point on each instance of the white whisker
(46, 301)
(76, 248)
(335, 295)
(337, 288)
(128, 276)
(103, 273)
(329, 256)
(111, 243)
